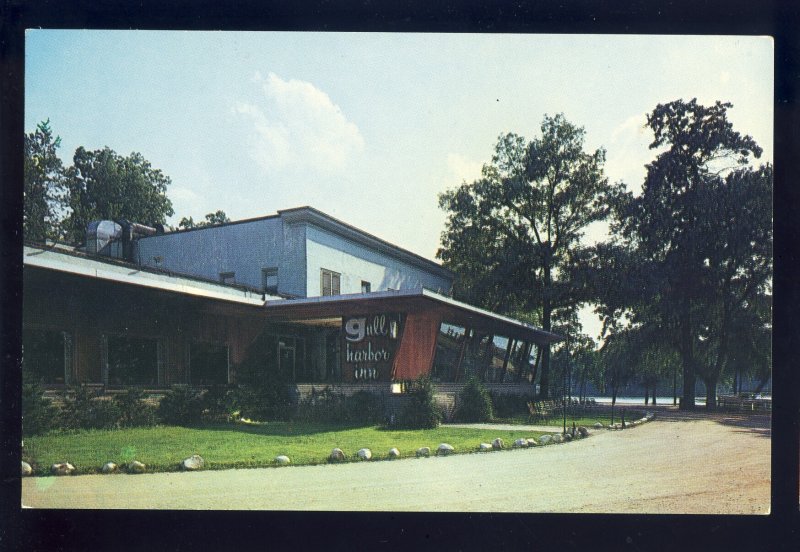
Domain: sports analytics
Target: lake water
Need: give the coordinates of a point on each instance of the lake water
(640, 400)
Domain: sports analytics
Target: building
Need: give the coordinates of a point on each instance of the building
(299, 292)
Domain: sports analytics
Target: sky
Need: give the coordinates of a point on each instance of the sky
(371, 127)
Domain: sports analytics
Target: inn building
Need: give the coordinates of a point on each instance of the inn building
(298, 291)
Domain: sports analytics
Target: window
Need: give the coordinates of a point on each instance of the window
(46, 355)
(366, 287)
(208, 364)
(227, 277)
(330, 282)
(131, 360)
(269, 280)
(448, 352)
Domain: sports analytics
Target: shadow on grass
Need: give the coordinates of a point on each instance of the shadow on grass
(281, 429)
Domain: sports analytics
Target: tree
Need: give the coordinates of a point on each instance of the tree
(700, 234)
(212, 219)
(105, 185)
(512, 234)
(44, 187)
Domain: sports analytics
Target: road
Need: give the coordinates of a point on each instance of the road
(676, 464)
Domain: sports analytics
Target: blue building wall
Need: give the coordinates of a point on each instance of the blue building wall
(357, 263)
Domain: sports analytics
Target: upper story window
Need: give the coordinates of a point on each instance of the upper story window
(269, 280)
(366, 287)
(227, 277)
(330, 282)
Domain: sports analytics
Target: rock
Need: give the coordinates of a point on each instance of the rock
(136, 467)
(598, 425)
(282, 460)
(26, 469)
(532, 442)
(394, 453)
(193, 463)
(567, 436)
(558, 438)
(485, 447)
(544, 439)
(63, 468)
(497, 444)
(109, 467)
(583, 432)
(444, 449)
(521, 443)
(423, 452)
(336, 455)
(365, 454)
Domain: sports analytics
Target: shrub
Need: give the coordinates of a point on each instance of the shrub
(38, 413)
(220, 404)
(362, 408)
(474, 403)
(421, 411)
(83, 409)
(507, 405)
(263, 393)
(134, 411)
(181, 406)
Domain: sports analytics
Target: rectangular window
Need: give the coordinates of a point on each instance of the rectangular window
(227, 277)
(366, 287)
(208, 364)
(269, 280)
(330, 282)
(46, 355)
(449, 346)
(132, 360)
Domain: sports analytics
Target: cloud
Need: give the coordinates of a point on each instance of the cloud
(296, 124)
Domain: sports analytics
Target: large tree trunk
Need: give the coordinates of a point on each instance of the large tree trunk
(687, 358)
(546, 326)
(711, 393)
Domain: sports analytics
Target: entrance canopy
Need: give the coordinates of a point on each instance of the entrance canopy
(405, 301)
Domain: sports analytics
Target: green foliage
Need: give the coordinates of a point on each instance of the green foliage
(421, 410)
(263, 393)
(212, 219)
(361, 408)
(105, 185)
(509, 405)
(39, 415)
(513, 234)
(85, 409)
(474, 403)
(220, 404)
(134, 411)
(44, 187)
(182, 406)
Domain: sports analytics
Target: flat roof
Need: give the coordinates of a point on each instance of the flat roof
(127, 273)
(410, 300)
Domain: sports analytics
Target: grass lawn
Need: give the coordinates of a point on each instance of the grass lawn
(225, 446)
(556, 420)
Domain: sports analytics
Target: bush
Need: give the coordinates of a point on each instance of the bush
(220, 404)
(507, 405)
(474, 403)
(38, 413)
(363, 408)
(263, 393)
(181, 406)
(421, 411)
(83, 409)
(133, 410)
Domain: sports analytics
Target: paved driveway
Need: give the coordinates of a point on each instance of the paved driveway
(677, 464)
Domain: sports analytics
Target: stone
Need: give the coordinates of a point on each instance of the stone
(365, 454)
(444, 449)
(109, 467)
(567, 436)
(497, 444)
(544, 439)
(63, 468)
(558, 438)
(282, 460)
(136, 467)
(336, 455)
(532, 442)
(598, 425)
(26, 469)
(521, 443)
(423, 452)
(485, 447)
(193, 463)
(583, 432)
(394, 453)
